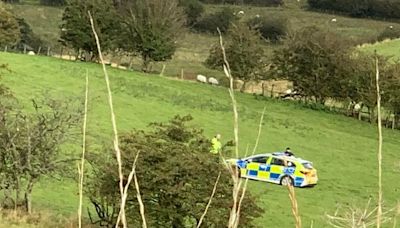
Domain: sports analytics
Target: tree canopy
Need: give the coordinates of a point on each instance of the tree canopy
(9, 30)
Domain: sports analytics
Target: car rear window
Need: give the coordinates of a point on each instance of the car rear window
(307, 165)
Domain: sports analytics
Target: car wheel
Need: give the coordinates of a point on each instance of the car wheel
(286, 180)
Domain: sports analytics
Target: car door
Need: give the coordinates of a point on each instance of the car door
(276, 169)
(254, 165)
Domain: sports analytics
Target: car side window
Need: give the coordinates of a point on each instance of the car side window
(261, 160)
(276, 161)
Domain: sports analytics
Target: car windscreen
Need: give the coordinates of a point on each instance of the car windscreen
(307, 165)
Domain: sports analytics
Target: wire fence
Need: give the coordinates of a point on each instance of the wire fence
(126, 62)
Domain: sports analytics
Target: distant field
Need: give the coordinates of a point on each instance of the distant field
(194, 48)
(342, 149)
(387, 48)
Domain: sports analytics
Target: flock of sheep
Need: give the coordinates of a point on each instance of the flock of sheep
(203, 79)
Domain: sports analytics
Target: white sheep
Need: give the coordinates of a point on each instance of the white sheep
(289, 91)
(257, 15)
(31, 53)
(213, 81)
(333, 20)
(201, 78)
(241, 12)
(391, 27)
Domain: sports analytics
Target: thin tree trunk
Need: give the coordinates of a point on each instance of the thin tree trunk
(28, 198)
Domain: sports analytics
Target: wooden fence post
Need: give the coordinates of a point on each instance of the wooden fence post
(162, 70)
(39, 49)
(182, 77)
(61, 52)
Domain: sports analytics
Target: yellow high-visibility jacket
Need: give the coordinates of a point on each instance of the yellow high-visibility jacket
(215, 146)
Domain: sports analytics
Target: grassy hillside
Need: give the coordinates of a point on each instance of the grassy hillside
(342, 149)
(387, 48)
(194, 48)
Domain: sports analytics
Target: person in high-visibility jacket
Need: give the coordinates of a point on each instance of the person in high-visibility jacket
(216, 145)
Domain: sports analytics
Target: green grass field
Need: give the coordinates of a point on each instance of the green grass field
(342, 149)
(194, 48)
(387, 48)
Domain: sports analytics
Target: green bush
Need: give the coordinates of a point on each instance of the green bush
(53, 2)
(272, 29)
(360, 8)
(193, 10)
(392, 32)
(222, 20)
(30, 40)
(246, 2)
(176, 172)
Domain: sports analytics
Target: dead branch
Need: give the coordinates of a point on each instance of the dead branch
(209, 201)
(378, 101)
(114, 124)
(82, 166)
(236, 180)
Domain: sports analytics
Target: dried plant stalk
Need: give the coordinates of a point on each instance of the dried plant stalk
(233, 217)
(125, 196)
(82, 165)
(116, 139)
(295, 208)
(247, 180)
(209, 201)
(358, 218)
(378, 101)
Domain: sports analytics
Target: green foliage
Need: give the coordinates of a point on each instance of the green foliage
(141, 99)
(247, 2)
(360, 8)
(222, 19)
(363, 82)
(176, 172)
(9, 30)
(315, 62)
(193, 10)
(391, 32)
(244, 52)
(272, 29)
(76, 31)
(30, 148)
(151, 28)
(53, 2)
(10, 1)
(28, 38)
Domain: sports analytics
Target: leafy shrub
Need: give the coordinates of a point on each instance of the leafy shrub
(247, 2)
(389, 33)
(53, 2)
(193, 10)
(244, 52)
(28, 39)
(360, 8)
(177, 175)
(222, 20)
(272, 29)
